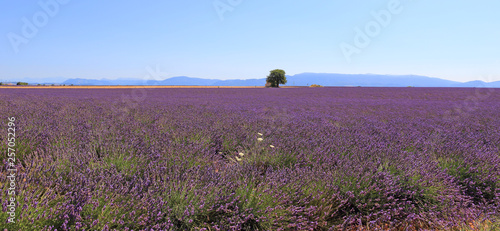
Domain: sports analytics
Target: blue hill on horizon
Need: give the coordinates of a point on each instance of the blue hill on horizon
(304, 79)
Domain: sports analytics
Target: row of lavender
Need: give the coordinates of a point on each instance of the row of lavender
(253, 159)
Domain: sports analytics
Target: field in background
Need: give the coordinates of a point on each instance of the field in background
(254, 159)
(125, 87)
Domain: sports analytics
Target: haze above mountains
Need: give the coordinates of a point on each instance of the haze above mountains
(304, 79)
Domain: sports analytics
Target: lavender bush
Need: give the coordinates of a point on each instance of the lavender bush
(254, 159)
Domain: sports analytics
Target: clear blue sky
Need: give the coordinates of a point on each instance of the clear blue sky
(450, 39)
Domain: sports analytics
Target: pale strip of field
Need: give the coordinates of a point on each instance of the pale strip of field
(125, 87)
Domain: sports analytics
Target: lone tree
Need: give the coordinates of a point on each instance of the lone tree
(276, 77)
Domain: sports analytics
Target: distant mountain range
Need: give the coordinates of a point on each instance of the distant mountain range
(304, 79)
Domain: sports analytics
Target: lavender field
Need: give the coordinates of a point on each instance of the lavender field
(253, 159)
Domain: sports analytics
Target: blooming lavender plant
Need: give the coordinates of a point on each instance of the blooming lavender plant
(303, 159)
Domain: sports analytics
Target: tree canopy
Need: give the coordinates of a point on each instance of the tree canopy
(276, 77)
